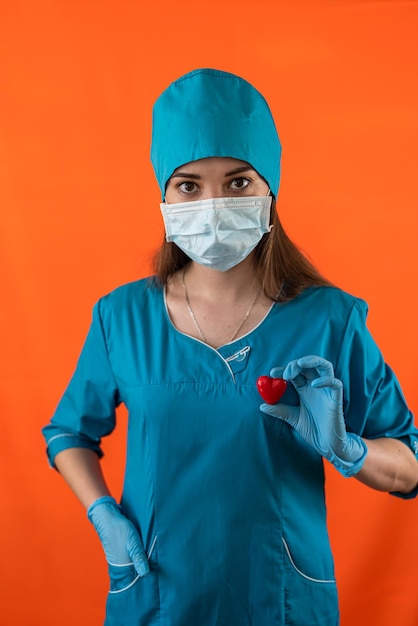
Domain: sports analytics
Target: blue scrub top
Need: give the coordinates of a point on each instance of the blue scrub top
(229, 501)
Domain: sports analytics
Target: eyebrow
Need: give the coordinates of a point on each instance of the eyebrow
(185, 175)
(238, 170)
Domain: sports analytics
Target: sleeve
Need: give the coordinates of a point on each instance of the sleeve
(86, 411)
(374, 405)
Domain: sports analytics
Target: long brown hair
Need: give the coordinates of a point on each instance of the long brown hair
(282, 269)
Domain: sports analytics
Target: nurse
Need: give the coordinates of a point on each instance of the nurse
(222, 521)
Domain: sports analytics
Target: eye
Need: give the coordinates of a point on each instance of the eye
(187, 186)
(239, 183)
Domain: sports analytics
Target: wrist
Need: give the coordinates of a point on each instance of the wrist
(108, 501)
(354, 459)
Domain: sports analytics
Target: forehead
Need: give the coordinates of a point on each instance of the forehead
(213, 165)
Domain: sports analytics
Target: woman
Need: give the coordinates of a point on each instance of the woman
(222, 520)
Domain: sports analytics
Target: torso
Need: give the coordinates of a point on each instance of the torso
(229, 500)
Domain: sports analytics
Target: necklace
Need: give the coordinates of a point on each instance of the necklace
(196, 323)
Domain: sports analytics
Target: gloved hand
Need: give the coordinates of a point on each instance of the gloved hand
(319, 418)
(120, 539)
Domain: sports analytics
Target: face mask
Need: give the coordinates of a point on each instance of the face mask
(220, 232)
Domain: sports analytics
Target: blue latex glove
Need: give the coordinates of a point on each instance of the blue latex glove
(319, 418)
(120, 539)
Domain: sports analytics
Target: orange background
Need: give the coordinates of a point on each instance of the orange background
(79, 216)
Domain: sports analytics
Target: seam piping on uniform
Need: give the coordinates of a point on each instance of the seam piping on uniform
(127, 587)
(151, 550)
(315, 580)
(226, 363)
(240, 353)
(58, 437)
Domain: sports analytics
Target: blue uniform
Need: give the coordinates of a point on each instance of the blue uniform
(229, 501)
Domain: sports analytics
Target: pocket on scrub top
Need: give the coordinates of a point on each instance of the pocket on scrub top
(123, 577)
(310, 598)
(300, 570)
(134, 600)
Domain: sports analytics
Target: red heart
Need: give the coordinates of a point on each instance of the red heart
(271, 389)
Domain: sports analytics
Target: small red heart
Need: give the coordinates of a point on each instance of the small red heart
(271, 389)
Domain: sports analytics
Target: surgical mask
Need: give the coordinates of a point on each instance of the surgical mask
(220, 232)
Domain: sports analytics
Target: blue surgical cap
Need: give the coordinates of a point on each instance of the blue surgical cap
(210, 113)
